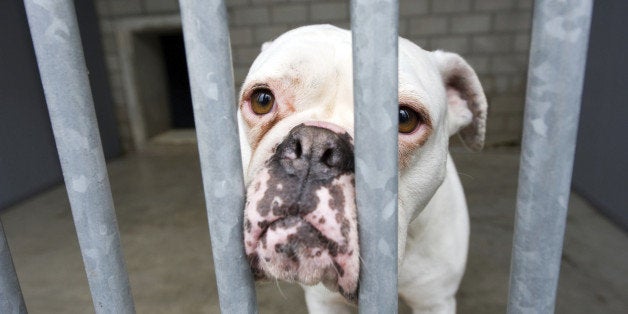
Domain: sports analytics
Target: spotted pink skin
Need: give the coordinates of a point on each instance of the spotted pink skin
(324, 239)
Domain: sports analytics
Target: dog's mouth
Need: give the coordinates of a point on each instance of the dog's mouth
(300, 216)
(292, 249)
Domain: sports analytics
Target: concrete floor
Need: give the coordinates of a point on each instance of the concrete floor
(162, 220)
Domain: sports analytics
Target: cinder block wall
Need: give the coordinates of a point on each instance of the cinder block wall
(493, 35)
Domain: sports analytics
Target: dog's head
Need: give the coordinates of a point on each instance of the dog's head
(296, 123)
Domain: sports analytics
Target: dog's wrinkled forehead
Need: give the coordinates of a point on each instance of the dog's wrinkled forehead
(307, 47)
(317, 59)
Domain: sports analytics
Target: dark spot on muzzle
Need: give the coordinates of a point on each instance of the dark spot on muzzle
(258, 274)
(306, 240)
(337, 201)
(350, 296)
(247, 225)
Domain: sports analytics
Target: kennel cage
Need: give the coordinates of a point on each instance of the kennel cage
(558, 51)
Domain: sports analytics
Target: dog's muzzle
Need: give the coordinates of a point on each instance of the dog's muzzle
(300, 215)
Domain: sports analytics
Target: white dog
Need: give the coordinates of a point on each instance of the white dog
(296, 124)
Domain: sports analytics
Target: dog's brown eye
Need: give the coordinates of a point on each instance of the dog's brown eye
(409, 120)
(262, 101)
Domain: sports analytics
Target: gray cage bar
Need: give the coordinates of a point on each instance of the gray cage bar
(375, 74)
(59, 52)
(11, 299)
(560, 33)
(208, 52)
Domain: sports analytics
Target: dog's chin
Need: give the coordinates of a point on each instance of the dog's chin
(293, 250)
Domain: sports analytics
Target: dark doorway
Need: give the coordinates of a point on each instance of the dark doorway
(180, 98)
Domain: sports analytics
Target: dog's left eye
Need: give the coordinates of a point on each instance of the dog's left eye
(409, 120)
(262, 101)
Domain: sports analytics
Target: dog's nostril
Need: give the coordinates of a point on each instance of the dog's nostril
(298, 150)
(328, 157)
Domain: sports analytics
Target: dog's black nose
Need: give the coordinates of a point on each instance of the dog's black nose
(316, 153)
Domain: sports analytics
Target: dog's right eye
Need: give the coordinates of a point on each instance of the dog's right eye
(262, 101)
(409, 120)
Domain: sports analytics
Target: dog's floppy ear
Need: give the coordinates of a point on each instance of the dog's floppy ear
(466, 102)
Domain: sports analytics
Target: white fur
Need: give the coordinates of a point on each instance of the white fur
(433, 220)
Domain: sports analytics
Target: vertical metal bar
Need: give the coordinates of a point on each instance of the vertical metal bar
(11, 299)
(560, 33)
(208, 52)
(59, 52)
(375, 75)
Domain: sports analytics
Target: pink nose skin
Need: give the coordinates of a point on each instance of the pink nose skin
(327, 125)
(300, 215)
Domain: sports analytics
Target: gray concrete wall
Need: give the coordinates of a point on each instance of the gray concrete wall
(601, 162)
(491, 34)
(28, 157)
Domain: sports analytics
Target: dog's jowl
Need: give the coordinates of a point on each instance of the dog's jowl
(296, 128)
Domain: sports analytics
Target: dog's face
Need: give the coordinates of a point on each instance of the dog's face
(296, 123)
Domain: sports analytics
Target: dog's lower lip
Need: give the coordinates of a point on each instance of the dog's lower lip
(278, 220)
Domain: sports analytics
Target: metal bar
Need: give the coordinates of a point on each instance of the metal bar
(560, 33)
(11, 299)
(208, 52)
(375, 75)
(59, 52)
